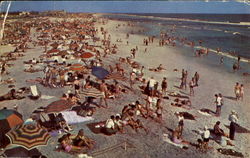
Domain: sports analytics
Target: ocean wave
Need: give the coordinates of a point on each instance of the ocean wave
(225, 54)
(236, 33)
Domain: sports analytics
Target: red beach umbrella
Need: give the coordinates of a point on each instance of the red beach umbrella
(58, 106)
(86, 55)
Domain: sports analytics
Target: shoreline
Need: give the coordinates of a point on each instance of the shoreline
(213, 80)
(223, 53)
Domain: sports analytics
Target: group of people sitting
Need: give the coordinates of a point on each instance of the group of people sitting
(129, 117)
(76, 143)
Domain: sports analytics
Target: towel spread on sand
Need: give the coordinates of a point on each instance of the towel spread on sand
(84, 156)
(71, 117)
(47, 97)
(204, 113)
(168, 140)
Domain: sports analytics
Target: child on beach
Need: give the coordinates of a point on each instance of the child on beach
(237, 91)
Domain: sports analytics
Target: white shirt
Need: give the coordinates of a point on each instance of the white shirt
(219, 101)
(118, 122)
(66, 77)
(180, 118)
(206, 134)
(110, 124)
(152, 82)
(233, 118)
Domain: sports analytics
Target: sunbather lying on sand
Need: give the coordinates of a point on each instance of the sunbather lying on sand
(185, 103)
(158, 69)
(12, 94)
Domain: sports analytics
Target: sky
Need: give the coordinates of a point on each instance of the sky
(133, 6)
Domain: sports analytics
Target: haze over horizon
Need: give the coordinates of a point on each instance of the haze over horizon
(132, 7)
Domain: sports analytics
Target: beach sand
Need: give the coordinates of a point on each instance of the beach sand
(213, 79)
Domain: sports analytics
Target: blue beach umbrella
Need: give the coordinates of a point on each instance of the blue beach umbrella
(99, 72)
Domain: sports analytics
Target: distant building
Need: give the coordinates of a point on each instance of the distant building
(24, 14)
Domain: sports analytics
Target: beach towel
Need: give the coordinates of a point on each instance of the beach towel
(47, 97)
(84, 156)
(204, 113)
(71, 117)
(166, 138)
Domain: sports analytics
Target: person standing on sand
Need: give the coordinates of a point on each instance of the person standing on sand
(151, 85)
(237, 91)
(233, 118)
(219, 103)
(132, 78)
(77, 86)
(180, 122)
(241, 92)
(191, 86)
(164, 86)
(104, 91)
(196, 78)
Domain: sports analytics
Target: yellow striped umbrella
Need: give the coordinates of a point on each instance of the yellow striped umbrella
(29, 136)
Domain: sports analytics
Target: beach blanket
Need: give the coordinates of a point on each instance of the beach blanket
(204, 113)
(71, 117)
(47, 97)
(84, 156)
(166, 138)
(115, 76)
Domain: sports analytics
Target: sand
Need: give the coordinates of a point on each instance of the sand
(213, 79)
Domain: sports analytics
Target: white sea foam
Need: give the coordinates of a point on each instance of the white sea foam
(190, 20)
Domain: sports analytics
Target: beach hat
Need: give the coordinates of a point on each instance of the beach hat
(233, 112)
(118, 115)
(133, 103)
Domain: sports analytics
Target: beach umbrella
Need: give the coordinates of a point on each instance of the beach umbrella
(64, 52)
(9, 119)
(77, 67)
(52, 51)
(115, 76)
(92, 92)
(86, 55)
(22, 152)
(58, 106)
(99, 72)
(29, 136)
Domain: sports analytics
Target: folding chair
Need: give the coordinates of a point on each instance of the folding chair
(35, 94)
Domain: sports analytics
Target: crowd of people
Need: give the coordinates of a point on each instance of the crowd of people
(78, 78)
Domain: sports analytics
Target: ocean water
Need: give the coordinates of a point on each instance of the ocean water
(230, 33)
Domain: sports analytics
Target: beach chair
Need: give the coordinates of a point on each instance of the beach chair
(35, 94)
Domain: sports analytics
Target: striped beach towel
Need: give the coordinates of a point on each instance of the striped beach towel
(92, 92)
(115, 76)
